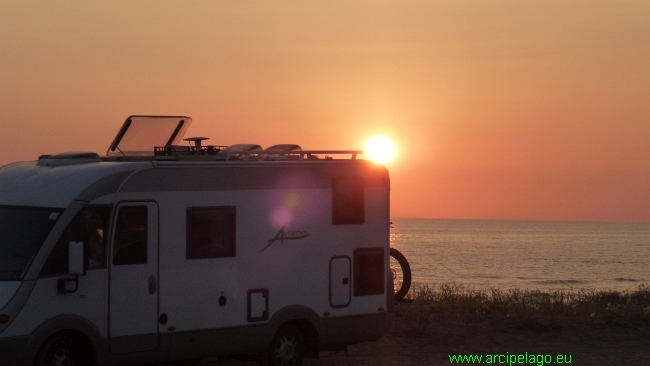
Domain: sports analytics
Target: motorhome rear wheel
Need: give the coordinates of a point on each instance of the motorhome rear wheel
(287, 348)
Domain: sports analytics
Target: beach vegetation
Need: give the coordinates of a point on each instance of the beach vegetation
(537, 310)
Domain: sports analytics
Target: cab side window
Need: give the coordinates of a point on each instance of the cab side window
(90, 226)
(130, 243)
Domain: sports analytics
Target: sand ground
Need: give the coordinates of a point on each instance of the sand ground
(586, 341)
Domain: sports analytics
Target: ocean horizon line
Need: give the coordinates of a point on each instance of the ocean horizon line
(521, 220)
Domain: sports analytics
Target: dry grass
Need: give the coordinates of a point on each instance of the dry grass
(525, 309)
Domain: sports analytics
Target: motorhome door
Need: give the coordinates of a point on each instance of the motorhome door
(133, 313)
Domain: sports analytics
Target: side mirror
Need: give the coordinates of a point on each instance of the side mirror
(76, 258)
(76, 267)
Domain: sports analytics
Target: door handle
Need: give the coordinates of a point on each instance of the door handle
(152, 284)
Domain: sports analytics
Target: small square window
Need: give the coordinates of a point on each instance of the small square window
(348, 200)
(211, 232)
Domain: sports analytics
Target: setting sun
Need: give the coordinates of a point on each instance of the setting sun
(380, 149)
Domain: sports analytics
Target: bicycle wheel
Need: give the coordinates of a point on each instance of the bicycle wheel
(401, 274)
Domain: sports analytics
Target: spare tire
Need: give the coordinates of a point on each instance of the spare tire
(401, 274)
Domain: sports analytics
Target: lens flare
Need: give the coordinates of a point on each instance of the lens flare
(281, 216)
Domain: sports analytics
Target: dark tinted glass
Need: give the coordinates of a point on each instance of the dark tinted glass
(347, 200)
(90, 226)
(130, 243)
(211, 232)
(22, 232)
(369, 271)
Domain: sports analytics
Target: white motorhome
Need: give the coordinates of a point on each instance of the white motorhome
(161, 253)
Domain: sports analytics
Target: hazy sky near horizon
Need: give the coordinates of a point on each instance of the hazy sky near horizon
(532, 110)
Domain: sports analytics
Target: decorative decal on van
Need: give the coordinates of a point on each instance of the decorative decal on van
(283, 235)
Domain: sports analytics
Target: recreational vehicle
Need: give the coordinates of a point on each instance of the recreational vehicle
(160, 252)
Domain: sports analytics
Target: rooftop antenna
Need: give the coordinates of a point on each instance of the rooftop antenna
(197, 143)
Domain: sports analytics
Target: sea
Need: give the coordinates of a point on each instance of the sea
(533, 255)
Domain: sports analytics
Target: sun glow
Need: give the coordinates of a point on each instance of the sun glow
(380, 149)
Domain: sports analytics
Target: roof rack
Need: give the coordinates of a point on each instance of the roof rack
(299, 155)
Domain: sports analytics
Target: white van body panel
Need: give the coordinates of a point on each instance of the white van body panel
(44, 303)
(214, 278)
(27, 184)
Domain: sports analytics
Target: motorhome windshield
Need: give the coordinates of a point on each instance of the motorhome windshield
(22, 232)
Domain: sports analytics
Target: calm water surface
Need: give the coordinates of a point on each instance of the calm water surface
(525, 254)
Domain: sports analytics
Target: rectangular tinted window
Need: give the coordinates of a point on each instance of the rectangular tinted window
(211, 232)
(347, 200)
(369, 271)
(130, 243)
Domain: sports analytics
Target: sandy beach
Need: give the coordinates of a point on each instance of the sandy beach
(580, 341)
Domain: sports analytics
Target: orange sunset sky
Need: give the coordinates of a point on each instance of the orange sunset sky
(531, 110)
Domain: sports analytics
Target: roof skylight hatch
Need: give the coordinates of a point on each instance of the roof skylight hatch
(140, 135)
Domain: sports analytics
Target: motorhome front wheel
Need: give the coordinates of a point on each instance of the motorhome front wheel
(63, 350)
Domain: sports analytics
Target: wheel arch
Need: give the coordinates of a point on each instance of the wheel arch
(72, 325)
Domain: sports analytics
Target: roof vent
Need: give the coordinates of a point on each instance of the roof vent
(281, 152)
(68, 158)
(239, 147)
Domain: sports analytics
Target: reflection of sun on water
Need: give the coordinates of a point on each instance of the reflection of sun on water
(380, 149)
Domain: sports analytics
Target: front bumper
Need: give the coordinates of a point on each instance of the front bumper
(14, 351)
